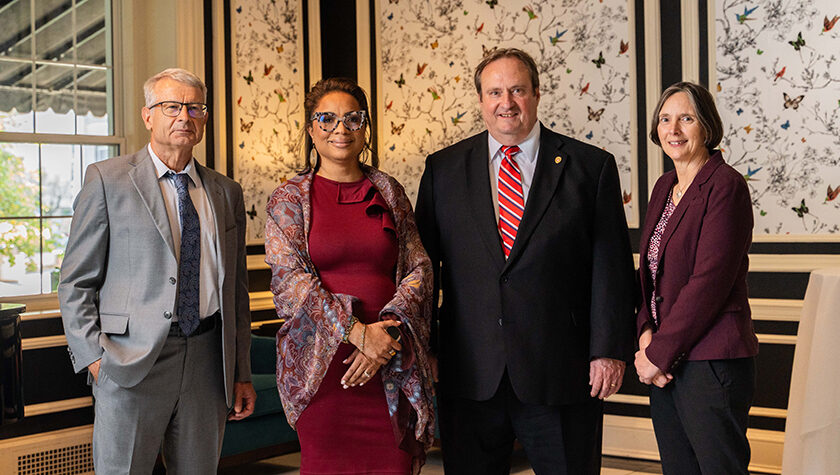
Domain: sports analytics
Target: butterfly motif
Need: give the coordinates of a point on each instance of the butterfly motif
(747, 12)
(267, 69)
(829, 24)
(584, 89)
(485, 51)
(388, 107)
(759, 51)
(279, 48)
(435, 44)
(719, 88)
(739, 111)
(478, 30)
(245, 126)
(832, 193)
(748, 128)
(391, 16)
(568, 71)
(595, 114)
(600, 61)
(786, 125)
(623, 47)
(422, 68)
(394, 1)
(763, 213)
(590, 135)
(435, 95)
(239, 9)
(280, 95)
(793, 103)
(626, 196)
(750, 172)
(556, 38)
(458, 117)
(400, 82)
(397, 129)
(492, 3)
(392, 147)
(457, 78)
(798, 43)
(802, 210)
(253, 212)
(242, 145)
(530, 12)
(275, 132)
(803, 139)
(239, 101)
(780, 73)
(249, 78)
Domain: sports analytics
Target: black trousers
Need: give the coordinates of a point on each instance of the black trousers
(477, 436)
(700, 418)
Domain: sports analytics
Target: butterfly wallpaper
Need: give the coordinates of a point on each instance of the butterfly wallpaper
(778, 93)
(267, 90)
(428, 50)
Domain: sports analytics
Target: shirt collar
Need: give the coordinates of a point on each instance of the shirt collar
(161, 169)
(528, 146)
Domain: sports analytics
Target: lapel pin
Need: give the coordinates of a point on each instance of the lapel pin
(558, 159)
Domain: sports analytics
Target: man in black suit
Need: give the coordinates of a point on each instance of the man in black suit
(526, 231)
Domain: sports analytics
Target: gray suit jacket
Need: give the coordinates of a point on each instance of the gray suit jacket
(118, 291)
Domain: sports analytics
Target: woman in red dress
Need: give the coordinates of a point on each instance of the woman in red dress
(347, 267)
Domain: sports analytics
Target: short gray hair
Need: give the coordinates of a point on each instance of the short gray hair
(176, 74)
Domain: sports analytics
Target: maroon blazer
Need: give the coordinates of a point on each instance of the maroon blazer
(701, 284)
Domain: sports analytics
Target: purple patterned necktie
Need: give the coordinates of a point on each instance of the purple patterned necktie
(189, 265)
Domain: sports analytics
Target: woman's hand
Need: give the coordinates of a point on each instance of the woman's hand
(360, 371)
(378, 345)
(648, 372)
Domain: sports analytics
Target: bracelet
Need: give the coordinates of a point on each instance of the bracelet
(362, 348)
(346, 337)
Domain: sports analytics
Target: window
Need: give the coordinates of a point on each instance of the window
(56, 117)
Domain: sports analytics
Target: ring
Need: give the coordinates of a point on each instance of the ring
(612, 385)
(392, 352)
(367, 375)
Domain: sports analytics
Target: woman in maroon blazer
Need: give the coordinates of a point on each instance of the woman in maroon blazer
(696, 338)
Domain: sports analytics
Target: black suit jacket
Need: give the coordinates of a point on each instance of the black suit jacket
(563, 297)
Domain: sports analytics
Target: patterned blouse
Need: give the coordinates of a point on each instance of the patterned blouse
(653, 252)
(316, 320)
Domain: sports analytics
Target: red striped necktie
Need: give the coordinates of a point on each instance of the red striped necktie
(511, 199)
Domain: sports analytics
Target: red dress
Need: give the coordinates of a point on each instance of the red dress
(353, 244)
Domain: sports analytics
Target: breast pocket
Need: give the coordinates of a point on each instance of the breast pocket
(113, 324)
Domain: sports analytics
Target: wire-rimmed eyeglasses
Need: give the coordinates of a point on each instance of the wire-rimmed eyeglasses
(196, 110)
(328, 121)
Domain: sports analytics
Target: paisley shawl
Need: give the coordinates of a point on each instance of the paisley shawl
(316, 319)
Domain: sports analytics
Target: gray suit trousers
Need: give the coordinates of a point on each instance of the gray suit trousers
(178, 408)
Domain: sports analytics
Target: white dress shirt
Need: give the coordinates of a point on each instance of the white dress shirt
(209, 265)
(526, 159)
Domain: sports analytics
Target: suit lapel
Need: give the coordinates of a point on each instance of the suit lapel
(692, 194)
(215, 195)
(145, 180)
(544, 186)
(480, 198)
(656, 202)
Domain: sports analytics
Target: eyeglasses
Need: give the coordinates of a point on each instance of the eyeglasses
(196, 110)
(328, 121)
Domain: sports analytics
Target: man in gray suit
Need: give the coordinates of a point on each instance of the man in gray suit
(154, 294)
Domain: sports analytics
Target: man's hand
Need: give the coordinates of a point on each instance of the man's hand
(605, 376)
(93, 369)
(244, 399)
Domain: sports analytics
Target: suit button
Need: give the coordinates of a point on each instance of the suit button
(658, 299)
(167, 315)
(505, 279)
(500, 322)
(172, 280)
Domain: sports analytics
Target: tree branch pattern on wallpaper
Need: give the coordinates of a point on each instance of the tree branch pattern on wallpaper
(428, 51)
(778, 92)
(268, 87)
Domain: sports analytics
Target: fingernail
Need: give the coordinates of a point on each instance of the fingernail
(343, 382)
(344, 386)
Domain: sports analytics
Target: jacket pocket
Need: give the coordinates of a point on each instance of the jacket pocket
(113, 324)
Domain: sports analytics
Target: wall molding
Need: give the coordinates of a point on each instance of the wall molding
(637, 400)
(57, 406)
(653, 86)
(690, 26)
